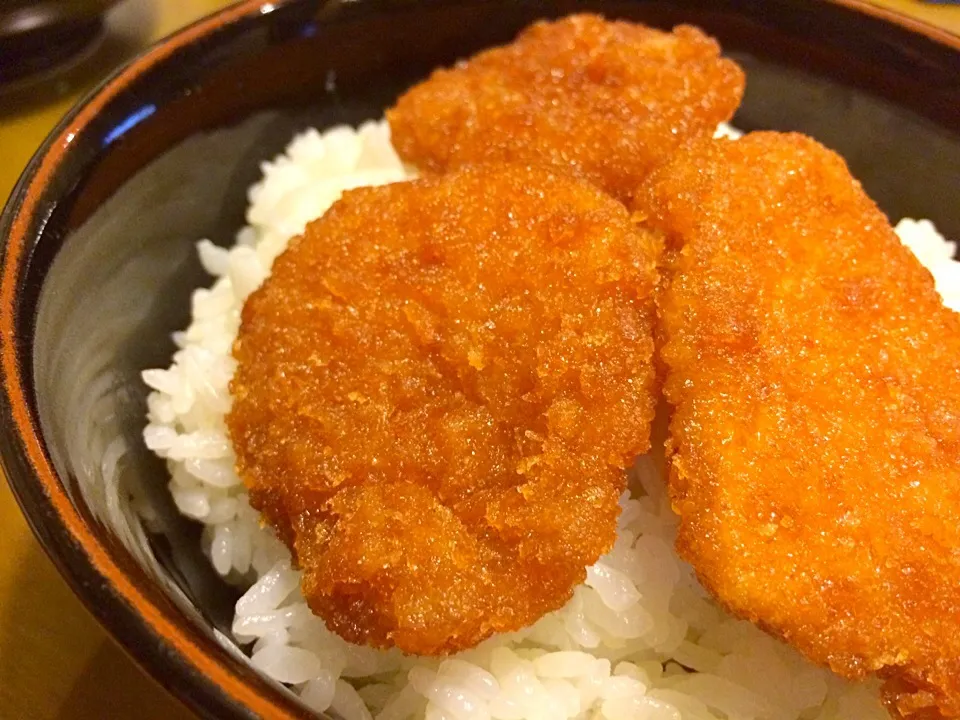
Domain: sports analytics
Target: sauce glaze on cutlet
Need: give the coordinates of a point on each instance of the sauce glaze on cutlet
(438, 389)
(607, 100)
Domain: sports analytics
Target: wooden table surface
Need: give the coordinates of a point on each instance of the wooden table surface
(55, 661)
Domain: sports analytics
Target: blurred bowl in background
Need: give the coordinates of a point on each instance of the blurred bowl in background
(37, 37)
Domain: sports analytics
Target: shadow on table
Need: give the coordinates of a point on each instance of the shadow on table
(111, 685)
(55, 661)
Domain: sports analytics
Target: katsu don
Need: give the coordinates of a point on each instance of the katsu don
(438, 390)
(814, 379)
(607, 100)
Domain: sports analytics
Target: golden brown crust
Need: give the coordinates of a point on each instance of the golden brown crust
(607, 100)
(438, 389)
(815, 378)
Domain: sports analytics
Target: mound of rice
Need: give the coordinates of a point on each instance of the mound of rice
(640, 640)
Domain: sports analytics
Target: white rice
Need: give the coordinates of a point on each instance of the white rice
(640, 640)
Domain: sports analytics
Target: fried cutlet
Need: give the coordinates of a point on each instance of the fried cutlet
(438, 389)
(605, 99)
(814, 375)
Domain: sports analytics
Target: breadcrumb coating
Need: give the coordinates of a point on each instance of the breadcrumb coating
(814, 375)
(438, 389)
(607, 100)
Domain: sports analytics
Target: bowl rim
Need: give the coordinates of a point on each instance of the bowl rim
(184, 666)
(188, 668)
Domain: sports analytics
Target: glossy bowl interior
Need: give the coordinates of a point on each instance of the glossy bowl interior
(99, 259)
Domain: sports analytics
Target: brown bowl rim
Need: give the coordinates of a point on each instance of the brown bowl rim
(233, 693)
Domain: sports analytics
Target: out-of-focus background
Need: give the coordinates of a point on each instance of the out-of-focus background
(55, 661)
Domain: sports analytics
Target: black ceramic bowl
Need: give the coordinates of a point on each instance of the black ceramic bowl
(36, 36)
(98, 261)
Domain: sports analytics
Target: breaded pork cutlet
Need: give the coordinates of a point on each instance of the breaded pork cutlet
(438, 389)
(814, 376)
(605, 99)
